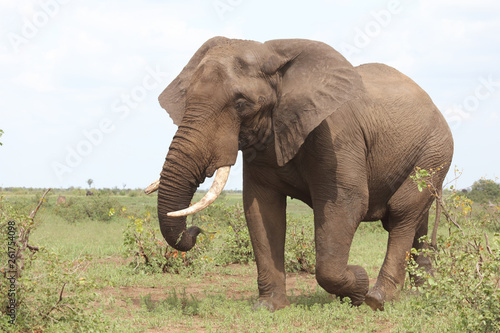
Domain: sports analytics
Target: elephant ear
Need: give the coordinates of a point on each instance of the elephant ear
(173, 98)
(315, 81)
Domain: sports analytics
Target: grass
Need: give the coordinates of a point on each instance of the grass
(81, 238)
(219, 299)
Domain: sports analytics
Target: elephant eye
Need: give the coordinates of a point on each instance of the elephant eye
(240, 104)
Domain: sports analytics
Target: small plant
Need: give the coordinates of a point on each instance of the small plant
(188, 305)
(150, 250)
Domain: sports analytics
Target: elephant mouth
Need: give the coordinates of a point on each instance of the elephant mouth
(213, 193)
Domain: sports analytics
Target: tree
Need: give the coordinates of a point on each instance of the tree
(1, 132)
(90, 181)
(485, 190)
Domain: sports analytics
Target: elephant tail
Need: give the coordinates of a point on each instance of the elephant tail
(438, 215)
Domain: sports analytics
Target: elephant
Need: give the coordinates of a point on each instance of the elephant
(311, 126)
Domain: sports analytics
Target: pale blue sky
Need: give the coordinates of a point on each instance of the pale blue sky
(80, 79)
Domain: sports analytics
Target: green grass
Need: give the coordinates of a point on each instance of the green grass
(219, 299)
(87, 237)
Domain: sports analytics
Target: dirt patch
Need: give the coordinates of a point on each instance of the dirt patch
(238, 282)
(235, 282)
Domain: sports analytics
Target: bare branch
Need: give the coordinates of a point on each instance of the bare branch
(59, 301)
(448, 216)
(33, 248)
(488, 248)
(33, 213)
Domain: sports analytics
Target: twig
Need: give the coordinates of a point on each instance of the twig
(59, 301)
(33, 248)
(67, 305)
(33, 213)
(448, 216)
(488, 248)
(478, 270)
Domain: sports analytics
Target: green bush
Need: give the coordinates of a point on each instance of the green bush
(490, 217)
(485, 191)
(96, 207)
(225, 240)
(300, 253)
(36, 285)
(231, 240)
(150, 250)
(466, 278)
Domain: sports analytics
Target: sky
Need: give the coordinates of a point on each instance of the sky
(79, 80)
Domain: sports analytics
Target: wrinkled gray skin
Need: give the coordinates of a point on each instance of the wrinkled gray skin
(342, 139)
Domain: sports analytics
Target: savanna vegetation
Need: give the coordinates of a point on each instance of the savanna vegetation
(99, 264)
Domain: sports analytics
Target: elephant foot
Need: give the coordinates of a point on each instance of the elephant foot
(356, 290)
(271, 304)
(358, 293)
(375, 299)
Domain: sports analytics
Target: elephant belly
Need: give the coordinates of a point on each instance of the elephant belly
(375, 213)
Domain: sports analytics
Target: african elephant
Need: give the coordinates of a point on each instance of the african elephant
(342, 139)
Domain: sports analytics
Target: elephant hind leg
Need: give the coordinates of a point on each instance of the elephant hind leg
(406, 222)
(423, 260)
(392, 274)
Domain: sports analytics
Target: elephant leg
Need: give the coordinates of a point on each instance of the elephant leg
(422, 260)
(334, 230)
(265, 212)
(392, 273)
(407, 214)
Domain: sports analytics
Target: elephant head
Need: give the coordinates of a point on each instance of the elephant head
(236, 94)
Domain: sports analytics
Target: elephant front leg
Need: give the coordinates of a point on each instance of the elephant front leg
(265, 212)
(335, 227)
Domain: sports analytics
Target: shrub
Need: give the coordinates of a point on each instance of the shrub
(233, 238)
(466, 277)
(225, 240)
(300, 253)
(485, 191)
(96, 207)
(143, 240)
(37, 289)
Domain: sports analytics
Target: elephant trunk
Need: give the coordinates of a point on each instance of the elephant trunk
(186, 166)
(212, 194)
(177, 185)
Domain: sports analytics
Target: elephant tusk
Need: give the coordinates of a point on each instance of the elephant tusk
(215, 190)
(153, 187)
